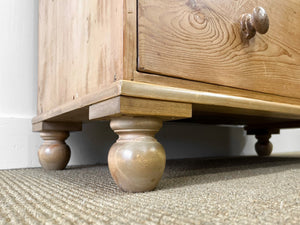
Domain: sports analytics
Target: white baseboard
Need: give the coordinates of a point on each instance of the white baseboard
(18, 146)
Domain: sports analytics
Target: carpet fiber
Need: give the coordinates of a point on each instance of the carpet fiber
(246, 190)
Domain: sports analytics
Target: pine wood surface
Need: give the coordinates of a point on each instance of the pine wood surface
(77, 110)
(80, 49)
(57, 126)
(130, 39)
(201, 101)
(88, 49)
(206, 87)
(129, 106)
(200, 40)
(267, 108)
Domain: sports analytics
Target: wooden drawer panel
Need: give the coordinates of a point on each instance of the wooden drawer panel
(200, 40)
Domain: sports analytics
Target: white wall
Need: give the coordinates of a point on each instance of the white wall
(18, 79)
(18, 58)
(18, 94)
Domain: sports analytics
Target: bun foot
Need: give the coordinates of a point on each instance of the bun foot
(54, 153)
(137, 160)
(263, 146)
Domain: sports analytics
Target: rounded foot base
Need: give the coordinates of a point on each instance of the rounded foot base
(136, 161)
(54, 153)
(263, 146)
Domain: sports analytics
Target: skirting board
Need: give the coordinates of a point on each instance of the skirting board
(18, 146)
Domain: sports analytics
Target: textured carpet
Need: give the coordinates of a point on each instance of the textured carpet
(248, 190)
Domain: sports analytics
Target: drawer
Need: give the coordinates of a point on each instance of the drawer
(201, 40)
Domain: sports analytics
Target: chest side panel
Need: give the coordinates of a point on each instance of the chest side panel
(80, 49)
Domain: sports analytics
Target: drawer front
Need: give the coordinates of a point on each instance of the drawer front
(201, 40)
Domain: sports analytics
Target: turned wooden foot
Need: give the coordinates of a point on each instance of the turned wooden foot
(263, 146)
(136, 161)
(54, 153)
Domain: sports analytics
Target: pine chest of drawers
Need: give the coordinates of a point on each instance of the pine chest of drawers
(139, 63)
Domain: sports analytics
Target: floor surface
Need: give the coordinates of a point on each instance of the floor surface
(244, 190)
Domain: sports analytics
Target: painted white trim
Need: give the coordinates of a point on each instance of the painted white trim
(18, 144)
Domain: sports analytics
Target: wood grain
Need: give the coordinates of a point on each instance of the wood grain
(77, 110)
(200, 86)
(57, 126)
(213, 100)
(80, 49)
(200, 40)
(130, 39)
(203, 101)
(129, 106)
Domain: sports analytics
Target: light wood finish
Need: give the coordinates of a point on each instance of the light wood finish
(140, 107)
(80, 49)
(262, 108)
(79, 107)
(136, 161)
(200, 86)
(130, 37)
(202, 101)
(54, 153)
(263, 146)
(57, 126)
(200, 40)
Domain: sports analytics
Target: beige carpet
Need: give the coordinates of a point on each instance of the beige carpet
(247, 190)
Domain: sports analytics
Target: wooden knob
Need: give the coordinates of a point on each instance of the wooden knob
(257, 21)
